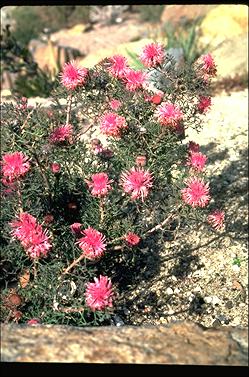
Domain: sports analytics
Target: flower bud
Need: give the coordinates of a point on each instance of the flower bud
(55, 167)
(141, 160)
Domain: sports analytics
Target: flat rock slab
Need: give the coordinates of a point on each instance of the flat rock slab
(178, 343)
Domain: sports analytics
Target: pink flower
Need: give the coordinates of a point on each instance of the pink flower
(207, 66)
(92, 244)
(197, 160)
(99, 294)
(111, 124)
(136, 182)
(216, 219)
(100, 184)
(152, 55)
(73, 76)
(156, 98)
(204, 104)
(115, 104)
(23, 104)
(34, 240)
(132, 238)
(134, 79)
(33, 321)
(118, 65)
(196, 194)
(75, 228)
(61, 133)
(55, 167)
(169, 114)
(193, 147)
(14, 166)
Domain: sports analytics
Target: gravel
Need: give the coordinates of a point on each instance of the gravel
(205, 279)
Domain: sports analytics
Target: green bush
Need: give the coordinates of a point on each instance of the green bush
(145, 160)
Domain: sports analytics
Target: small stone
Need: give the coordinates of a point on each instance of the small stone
(216, 323)
(197, 289)
(169, 291)
(235, 268)
(176, 290)
(174, 278)
(229, 304)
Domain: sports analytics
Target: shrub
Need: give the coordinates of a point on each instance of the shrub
(85, 187)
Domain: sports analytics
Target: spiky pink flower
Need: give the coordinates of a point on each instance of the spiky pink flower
(133, 79)
(92, 244)
(206, 66)
(204, 104)
(75, 228)
(14, 166)
(168, 114)
(100, 184)
(152, 55)
(197, 160)
(115, 104)
(118, 65)
(61, 133)
(193, 147)
(31, 235)
(216, 219)
(55, 167)
(111, 124)
(99, 294)
(196, 194)
(73, 76)
(136, 182)
(132, 238)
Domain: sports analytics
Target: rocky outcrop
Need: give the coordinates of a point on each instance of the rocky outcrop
(181, 14)
(178, 343)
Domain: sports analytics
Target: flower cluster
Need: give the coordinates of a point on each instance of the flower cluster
(169, 114)
(92, 243)
(14, 166)
(216, 219)
(152, 55)
(196, 194)
(112, 124)
(136, 182)
(206, 66)
(197, 161)
(31, 235)
(99, 294)
(100, 184)
(73, 76)
(62, 133)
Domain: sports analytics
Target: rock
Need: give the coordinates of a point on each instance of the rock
(179, 14)
(178, 343)
(231, 57)
(169, 291)
(224, 22)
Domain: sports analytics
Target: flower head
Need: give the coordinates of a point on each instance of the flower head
(196, 194)
(206, 66)
(111, 124)
(14, 166)
(73, 76)
(31, 235)
(118, 65)
(169, 114)
(100, 184)
(75, 228)
(197, 160)
(92, 244)
(33, 321)
(99, 294)
(204, 104)
(216, 219)
(133, 79)
(136, 182)
(193, 147)
(152, 55)
(55, 167)
(61, 133)
(132, 238)
(115, 104)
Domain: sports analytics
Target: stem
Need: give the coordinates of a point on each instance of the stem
(26, 120)
(45, 179)
(19, 196)
(69, 107)
(35, 268)
(164, 222)
(101, 209)
(76, 261)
